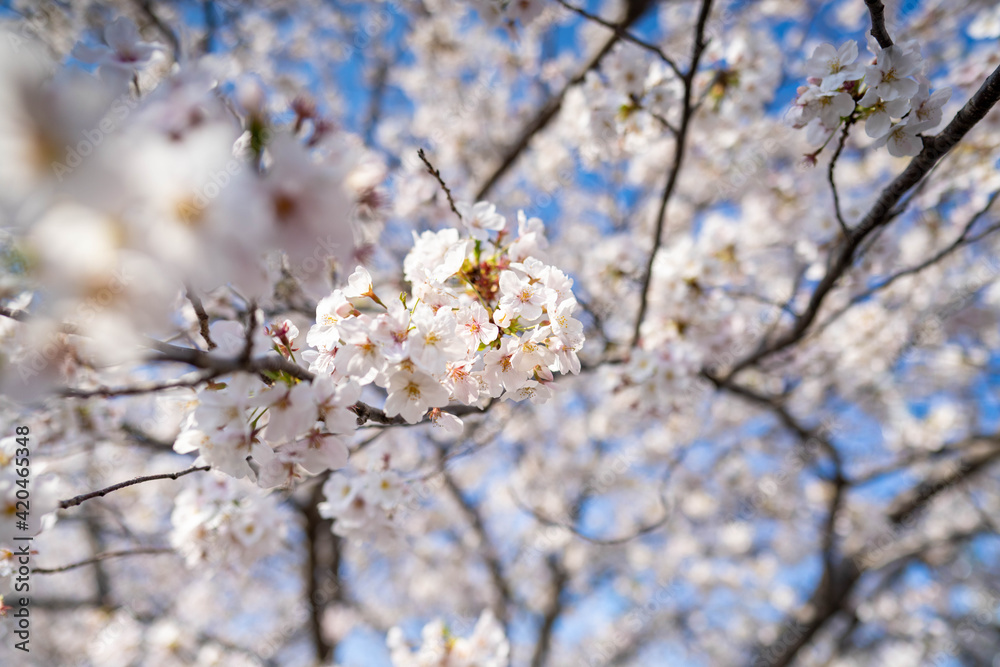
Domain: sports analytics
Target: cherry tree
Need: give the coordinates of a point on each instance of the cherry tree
(499, 333)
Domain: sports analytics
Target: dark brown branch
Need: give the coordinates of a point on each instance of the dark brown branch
(687, 113)
(963, 240)
(560, 577)
(318, 534)
(877, 11)
(76, 500)
(437, 174)
(142, 388)
(175, 43)
(884, 211)
(103, 556)
(636, 8)
(947, 477)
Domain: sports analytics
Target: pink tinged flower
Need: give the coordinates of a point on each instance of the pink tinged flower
(291, 411)
(459, 379)
(481, 219)
(330, 312)
(500, 373)
(447, 422)
(901, 140)
(226, 450)
(889, 75)
(521, 298)
(283, 336)
(835, 66)
(392, 332)
(282, 468)
(433, 341)
(524, 11)
(125, 52)
(474, 326)
(322, 361)
(412, 393)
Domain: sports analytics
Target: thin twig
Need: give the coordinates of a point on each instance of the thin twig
(688, 111)
(880, 214)
(833, 183)
(104, 556)
(143, 388)
(624, 34)
(199, 310)
(77, 500)
(437, 174)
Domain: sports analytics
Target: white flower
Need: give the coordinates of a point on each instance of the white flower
(902, 140)
(481, 218)
(888, 76)
(330, 311)
(530, 351)
(433, 341)
(926, 109)
(882, 112)
(412, 393)
(339, 491)
(359, 285)
(828, 106)
(447, 422)
(835, 66)
(435, 256)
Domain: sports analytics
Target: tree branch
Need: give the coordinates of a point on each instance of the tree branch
(636, 8)
(878, 31)
(76, 500)
(883, 211)
(101, 557)
(688, 111)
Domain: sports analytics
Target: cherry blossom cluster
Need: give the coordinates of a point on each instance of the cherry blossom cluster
(891, 94)
(487, 646)
(486, 317)
(221, 521)
(286, 430)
